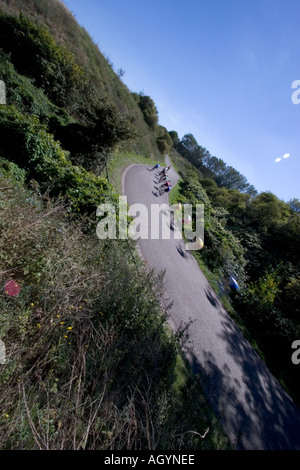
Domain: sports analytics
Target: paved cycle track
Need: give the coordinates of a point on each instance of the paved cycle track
(255, 411)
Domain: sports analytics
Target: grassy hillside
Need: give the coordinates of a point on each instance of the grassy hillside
(97, 82)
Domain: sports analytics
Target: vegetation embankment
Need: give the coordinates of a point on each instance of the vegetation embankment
(90, 364)
(252, 237)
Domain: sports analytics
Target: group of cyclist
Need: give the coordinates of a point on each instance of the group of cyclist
(163, 179)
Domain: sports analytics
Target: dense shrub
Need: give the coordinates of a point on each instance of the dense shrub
(163, 139)
(222, 252)
(27, 98)
(52, 67)
(26, 142)
(148, 108)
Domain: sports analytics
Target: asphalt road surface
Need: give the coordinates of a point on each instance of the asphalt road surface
(253, 408)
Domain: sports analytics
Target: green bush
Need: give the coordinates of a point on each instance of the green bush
(222, 252)
(163, 139)
(148, 109)
(52, 67)
(26, 142)
(27, 98)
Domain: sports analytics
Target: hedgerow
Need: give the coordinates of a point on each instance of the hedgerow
(25, 141)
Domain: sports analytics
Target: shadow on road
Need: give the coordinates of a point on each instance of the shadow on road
(262, 418)
(181, 251)
(212, 298)
(253, 408)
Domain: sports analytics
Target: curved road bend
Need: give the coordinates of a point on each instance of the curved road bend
(253, 408)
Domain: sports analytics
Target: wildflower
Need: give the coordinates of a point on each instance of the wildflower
(32, 304)
(70, 328)
(12, 288)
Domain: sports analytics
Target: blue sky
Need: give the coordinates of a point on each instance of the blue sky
(221, 70)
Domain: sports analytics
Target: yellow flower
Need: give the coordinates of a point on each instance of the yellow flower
(32, 304)
(70, 328)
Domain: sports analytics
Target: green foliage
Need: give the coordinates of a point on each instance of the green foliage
(10, 169)
(163, 139)
(22, 94)
(26, 142)
(148, 109)
(52, 67)
(90, 145)
(268, 211)
(266, 289)
(212, 167)
(294, 205)
(222, 251)
(257, 239)
(175, 138)
(292, 294)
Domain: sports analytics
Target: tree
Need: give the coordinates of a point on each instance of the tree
(189, 148)
(188, 144)
(294, 205)
(211, 166)
(216, 165)
(292, 297)
(90, 145)
(267, 211)
(148, 108)
(175, 138)
(232, 179)
(121, 73)
(163, 140)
